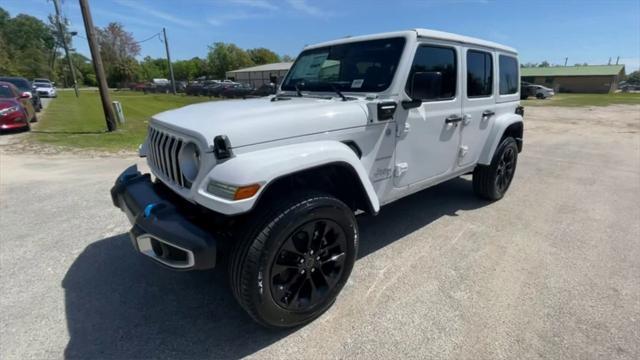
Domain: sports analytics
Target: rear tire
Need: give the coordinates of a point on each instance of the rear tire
(292, 261)
(492, 182)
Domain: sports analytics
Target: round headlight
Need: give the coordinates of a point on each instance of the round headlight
(189, 159)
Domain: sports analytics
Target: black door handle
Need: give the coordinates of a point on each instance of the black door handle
(488, 113)
(452, 119)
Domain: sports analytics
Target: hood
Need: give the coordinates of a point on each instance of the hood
(253, 121)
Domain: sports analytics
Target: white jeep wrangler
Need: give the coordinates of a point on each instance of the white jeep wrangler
(272, 185)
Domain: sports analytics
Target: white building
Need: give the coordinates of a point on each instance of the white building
(261, 74)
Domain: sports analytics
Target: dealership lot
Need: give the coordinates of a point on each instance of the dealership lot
(550, 271)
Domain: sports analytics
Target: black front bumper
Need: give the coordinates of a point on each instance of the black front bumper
(161, 229)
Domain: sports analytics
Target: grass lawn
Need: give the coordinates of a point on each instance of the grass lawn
(79, 122)
(577, 100)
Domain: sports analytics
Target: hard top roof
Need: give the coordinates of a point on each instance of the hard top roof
(420, 33)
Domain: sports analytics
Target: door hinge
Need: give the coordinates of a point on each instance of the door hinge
(401, 169)
(462, 152)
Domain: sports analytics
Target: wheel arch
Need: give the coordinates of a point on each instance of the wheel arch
(506, 125)
(338, 178)
(329, 166)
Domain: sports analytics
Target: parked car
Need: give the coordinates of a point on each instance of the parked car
(264, 90)
(193, 88)
(181, 86)
(237, 91)
(24, 86)
(273, 184)
(45, 89)
(137, 86)
(43, 80)
(217, 89)
(525, 90)
(541, 92)
(629, 88)
(209, 87)
(16, 110)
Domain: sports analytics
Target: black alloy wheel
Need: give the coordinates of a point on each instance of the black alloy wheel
(506, 168)
(292, 258)
(492, 181)
(308, 265)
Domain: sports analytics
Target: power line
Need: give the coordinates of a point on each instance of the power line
(151, 37)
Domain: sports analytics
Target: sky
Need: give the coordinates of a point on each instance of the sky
(590, 31)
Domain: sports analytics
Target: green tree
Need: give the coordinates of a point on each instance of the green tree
(118, 50)
(151, 68)
(25, 43)
(261, 56)
(634, 78)
(224, 57)
(287, 58)
(544, 64)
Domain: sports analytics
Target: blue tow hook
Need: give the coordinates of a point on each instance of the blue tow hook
(148, 209)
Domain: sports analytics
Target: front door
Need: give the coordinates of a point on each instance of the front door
(427, 146)
(478, 103)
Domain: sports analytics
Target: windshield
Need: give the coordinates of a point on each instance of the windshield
(21, 84)
(5, 92)
(42, 85)
(365, 66)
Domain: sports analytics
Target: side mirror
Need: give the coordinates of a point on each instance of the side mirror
(25, 95)
(424, 85)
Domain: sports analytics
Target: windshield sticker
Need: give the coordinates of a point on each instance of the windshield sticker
(357, 83)
(309, 66)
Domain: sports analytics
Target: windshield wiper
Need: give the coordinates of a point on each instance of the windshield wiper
(298, 89)
(337, 91)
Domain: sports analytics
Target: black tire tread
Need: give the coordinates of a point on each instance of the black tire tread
(483, 182)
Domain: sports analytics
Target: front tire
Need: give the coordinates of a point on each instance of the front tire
(290, 265)
(492, 182)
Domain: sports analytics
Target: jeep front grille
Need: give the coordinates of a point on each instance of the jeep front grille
(163, 157)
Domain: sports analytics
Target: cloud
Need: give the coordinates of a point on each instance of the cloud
(224, 18)
(260, 4)
(119, 17)
(146, 10)
(304, 7)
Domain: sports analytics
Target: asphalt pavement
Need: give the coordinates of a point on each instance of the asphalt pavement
(551, 271)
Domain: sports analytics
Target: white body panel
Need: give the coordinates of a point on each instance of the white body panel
(413, 150)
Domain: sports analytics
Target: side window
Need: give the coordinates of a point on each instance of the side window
(479, 74)
(508, 75)
(441, 61)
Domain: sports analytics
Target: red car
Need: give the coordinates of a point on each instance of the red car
(16, 110)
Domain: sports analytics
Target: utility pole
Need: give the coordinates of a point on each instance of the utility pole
(63, 37)
(617, 60)
(97, 65)
(609, 61)
(565, 61)
(166, 46)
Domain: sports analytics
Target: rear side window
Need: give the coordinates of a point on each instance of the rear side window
(508, 75)
(440, 60)
(479, 74)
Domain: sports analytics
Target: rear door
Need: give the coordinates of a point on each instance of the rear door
(478, 102)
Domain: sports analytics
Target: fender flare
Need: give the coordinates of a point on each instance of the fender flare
(265, 166)
(500, 125)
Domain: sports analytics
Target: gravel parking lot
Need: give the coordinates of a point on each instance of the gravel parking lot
(551, 271)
